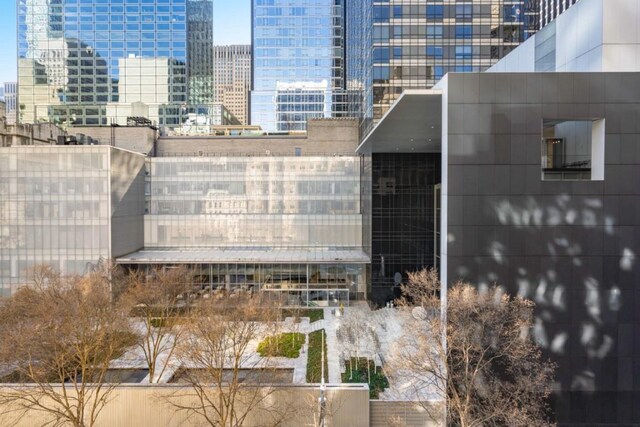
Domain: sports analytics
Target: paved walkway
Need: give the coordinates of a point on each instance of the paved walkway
(386, 322)
(330, 324)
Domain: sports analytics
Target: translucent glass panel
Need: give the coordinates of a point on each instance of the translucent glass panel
(255, 201)
(292, 230)
(54, 209)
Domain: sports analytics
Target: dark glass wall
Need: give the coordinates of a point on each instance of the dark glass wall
(402, 218)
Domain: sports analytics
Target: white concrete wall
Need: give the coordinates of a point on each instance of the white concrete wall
(591, 36)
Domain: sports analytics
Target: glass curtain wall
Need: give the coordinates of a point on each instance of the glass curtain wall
(295, 284)
(54, 210)
(415, 43)
(298, 62)
(403, 215)
(96, 62)
(359, 73)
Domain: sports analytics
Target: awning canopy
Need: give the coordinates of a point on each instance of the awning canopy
(245, 256)
(413, 124)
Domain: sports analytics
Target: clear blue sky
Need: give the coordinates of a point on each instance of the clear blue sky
(232, 25)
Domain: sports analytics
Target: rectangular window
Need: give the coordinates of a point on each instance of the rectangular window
(435, 12)
(573, 149)
(434, 31)
(464, 31)
(434, 52)
(464, 52)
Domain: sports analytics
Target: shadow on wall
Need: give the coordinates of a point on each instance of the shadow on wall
(569, 255)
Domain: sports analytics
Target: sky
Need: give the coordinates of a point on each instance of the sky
(232, 25)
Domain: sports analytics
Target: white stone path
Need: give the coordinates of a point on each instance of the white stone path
(387, 322)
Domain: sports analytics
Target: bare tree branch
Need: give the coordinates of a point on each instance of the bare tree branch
(490, 371)
(59, 336)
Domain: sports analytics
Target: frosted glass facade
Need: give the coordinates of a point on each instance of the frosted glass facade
(254, 201)
(56, 208)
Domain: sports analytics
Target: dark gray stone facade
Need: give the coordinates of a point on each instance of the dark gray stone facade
(571, 246)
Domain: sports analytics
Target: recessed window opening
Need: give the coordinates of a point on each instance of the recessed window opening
(573, 149)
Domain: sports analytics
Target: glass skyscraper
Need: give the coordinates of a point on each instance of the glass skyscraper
(415, 43)
(298, 63)
(96, 62)
(550, 9)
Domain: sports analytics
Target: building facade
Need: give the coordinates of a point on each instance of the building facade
(11, 102)
(289, 222)
(550, 9)
(89, 62)
(232, 79)
(415, 44)
(298, 62)
(68, 207)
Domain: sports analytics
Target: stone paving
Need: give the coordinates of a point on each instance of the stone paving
(387, 323)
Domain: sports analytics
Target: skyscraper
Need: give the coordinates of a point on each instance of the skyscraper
(550, 9)
(11, 101)
(73, 54)
(232, 79)
(414, 45)
(298, 62)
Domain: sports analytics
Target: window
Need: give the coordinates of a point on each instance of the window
(434, 52)
(464, 31)
(573, 150)
(381, 55)
(464, 12)
(464, 52)
(435, 12)
(434, 31)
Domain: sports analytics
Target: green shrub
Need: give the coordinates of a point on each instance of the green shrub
(365, 371)
(282, 345)
(314, 357)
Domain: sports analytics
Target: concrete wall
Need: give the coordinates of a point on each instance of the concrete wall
(132, 138)
(324, 136)
(22, 134)
(127, 175)
(148, 406)
(570, 246)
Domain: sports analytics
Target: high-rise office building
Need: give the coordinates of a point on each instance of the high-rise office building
(550, 9)
(298, 62)
(11, 101)
(531, 17)
(232, 79)
(414, 45)
(72, 55)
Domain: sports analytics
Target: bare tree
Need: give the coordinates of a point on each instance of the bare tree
(157, 301)
(488, 366)
(59, 337)
(221, 366)
(357, 337)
